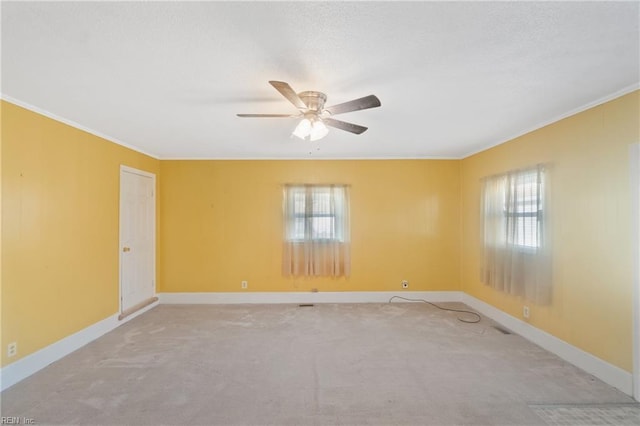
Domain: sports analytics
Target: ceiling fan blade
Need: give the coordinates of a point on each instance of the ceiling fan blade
(343, 125)
(367, 102)
(289, 93)
(266, 115)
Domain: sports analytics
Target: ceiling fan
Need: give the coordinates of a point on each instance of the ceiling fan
(315, 117)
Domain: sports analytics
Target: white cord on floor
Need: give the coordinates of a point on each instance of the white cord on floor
(444, 309)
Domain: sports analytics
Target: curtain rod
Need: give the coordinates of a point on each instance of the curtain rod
(318, 184)
(518, 170)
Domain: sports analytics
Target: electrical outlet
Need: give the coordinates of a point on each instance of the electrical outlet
(525, 311)
(245, 284)
(405, 284)
(12, 349)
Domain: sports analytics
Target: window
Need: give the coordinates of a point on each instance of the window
(515, 251)
(316, 230)
(315, 213)
(523, 208)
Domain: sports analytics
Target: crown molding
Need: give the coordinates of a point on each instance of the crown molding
(589, 105)
(74, 124)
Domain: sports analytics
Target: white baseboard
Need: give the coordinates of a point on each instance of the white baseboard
(593, 365)
(306, 297)
(24, 367)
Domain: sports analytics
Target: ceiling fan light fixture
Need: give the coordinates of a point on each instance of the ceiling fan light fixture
(303, 129)
(318, 130)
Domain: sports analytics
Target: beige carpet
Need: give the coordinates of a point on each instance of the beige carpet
(368, 364)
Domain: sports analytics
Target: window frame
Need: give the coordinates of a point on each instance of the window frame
(307, 191)
(521, 213)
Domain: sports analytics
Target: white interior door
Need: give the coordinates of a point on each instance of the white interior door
(137, 237)
(635, 226)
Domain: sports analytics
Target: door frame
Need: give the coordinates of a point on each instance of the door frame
(634, 152)
(127, 169)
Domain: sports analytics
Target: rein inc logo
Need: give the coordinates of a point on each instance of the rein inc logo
(6, 420)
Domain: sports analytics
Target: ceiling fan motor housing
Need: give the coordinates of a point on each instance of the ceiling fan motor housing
(313, 100)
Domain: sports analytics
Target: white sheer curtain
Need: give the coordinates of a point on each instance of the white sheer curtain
(516, 255)
(316, 231)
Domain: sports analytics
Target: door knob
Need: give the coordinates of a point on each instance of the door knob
(126, 249)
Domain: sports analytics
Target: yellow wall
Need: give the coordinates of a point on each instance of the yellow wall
(222, 223)
(591, 212)
(60, 198)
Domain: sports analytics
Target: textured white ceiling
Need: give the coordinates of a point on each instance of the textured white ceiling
(453, 78)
